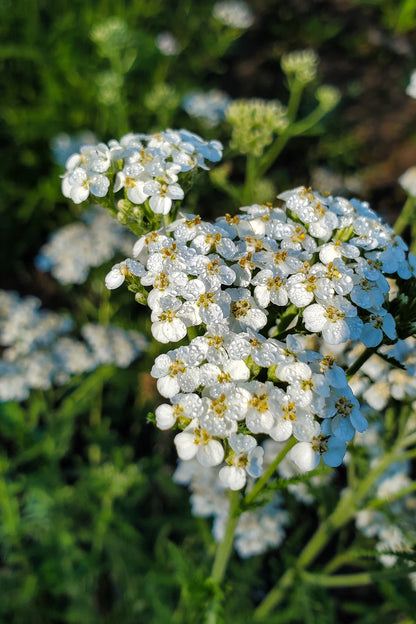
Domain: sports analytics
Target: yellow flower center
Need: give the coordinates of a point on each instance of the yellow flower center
(219, 406)
(344, 407)
(333, 314)
(289, 411)
(240, 308)
(260, 402)
(176, 367)
(320, 443)
(206, 299)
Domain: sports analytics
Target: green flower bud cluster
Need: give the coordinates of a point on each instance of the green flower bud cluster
(136, 217)
(113, 33)
(302, 64)
(115, 42)
(162, 97)
(108, 86)
(254, 124)
(328, 96)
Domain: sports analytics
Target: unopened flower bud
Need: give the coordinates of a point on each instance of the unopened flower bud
(328, 96)
(302, 64)
(254, 123)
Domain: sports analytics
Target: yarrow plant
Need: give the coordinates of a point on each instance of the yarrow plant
(255, 313)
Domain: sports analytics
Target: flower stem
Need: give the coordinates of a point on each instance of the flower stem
(275, 596)
(251, 172)
(380, 502)
(343, 512)
(269, 472)
(295, 129)
(296, 90)
(353, 580)
(224, 549)
(406, 216)
(355, 366)
(413, 237)
(271, 155)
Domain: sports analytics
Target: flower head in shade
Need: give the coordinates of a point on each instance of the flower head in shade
(233, 13)
(408, 179)
(411, 87)
(167, 43)
(40, 351)
(209, 106)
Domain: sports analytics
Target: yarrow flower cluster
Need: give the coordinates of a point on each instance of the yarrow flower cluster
(39, 351)
(73, 250)
(146, 167)
(241, 291)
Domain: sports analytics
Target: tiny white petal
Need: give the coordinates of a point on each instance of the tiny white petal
(210, 454)
(185, 445)
(165, 418)
(304, 456)
(114, 279)
(233, 477)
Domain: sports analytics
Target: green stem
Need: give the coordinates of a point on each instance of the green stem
(354, 580)
(269, 473)
(162, 70)
(97, 406)
(232, 191)
(9, 514)
(380, 502)
(407, 455)
(413, 237)
(79, 397)
(292, 110)
(225, 547)
(355, 366)
(275, 596)
(273, 152)
(408, 440)
(293, 130)
(294, 100)
(222, 556)
(406, 216)
(343, 512)
(251, 174)
(339, 560)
